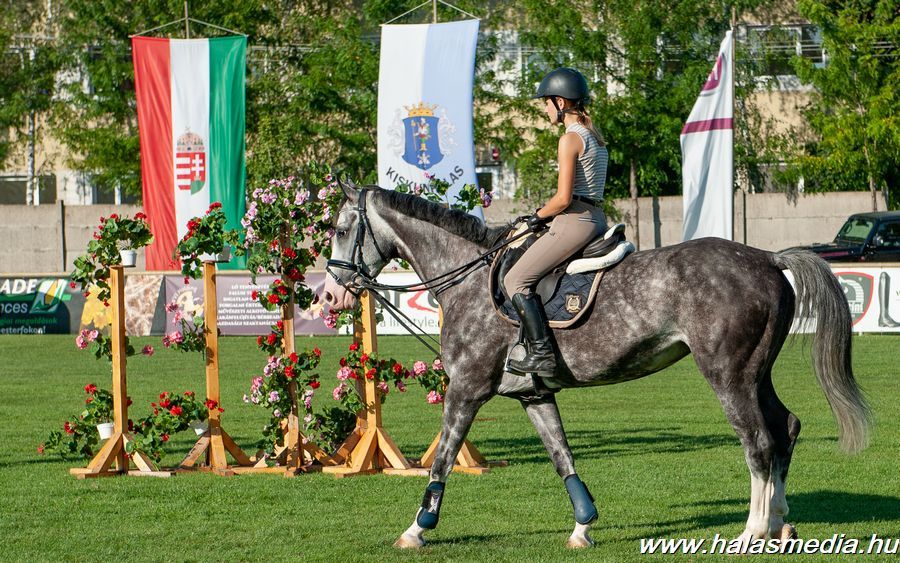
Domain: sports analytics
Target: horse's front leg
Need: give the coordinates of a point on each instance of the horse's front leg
(459, 412)
(544, 414)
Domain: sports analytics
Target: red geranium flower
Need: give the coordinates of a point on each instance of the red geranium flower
(176, 410)
(69, 428)
(370, 374)
(188, 393)
(165, 403)
(254, 294)
(210, 404)
(343, 362)
(314, 384)
(317, 352)
(354, 347)
(273, 298)
(271, 339)
(294, 357)
(289, 372)
(364, 358)
(164, 437)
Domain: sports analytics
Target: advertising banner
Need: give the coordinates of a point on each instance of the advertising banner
(238, 313)
(873, 295)
(39, 305)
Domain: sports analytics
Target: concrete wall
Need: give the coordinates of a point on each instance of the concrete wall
(33, 241)
(773, 221)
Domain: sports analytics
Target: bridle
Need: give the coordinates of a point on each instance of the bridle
(363, 279)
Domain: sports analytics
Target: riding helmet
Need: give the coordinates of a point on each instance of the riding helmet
(566, 83)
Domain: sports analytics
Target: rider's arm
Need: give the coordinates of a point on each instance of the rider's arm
(570, 145)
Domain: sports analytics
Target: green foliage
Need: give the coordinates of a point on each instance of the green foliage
(27, 70)
(853, 110)
(206, 235)
(115, 233)
(174, 413)
(97, 118)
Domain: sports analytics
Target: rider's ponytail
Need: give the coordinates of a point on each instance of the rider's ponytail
(585, 120)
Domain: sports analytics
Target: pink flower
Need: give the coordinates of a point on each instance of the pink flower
(338, 392)
(323, 193)
(177, 317)
(383, 387)
(147, 350)
(419, 368)
(486, 198)
(330, 318)
(256, 384)
(171, 307)
(437, 365)
(344, 373)
(276, 413)
(92, 335)
(80, 342)
(401, 387)
(273, 396)
(434, 398)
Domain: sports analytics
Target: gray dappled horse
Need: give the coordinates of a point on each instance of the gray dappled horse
(728, 304)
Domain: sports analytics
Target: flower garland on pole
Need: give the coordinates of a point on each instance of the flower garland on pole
(286, 230)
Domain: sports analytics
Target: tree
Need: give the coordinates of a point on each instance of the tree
(27, 81)
(97, 116)
(853, 110)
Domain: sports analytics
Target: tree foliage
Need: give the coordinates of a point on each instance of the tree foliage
(853, 111)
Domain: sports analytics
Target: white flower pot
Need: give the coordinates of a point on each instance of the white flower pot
(199, 427)
(129, 258)
(105, 430)
(224, 256)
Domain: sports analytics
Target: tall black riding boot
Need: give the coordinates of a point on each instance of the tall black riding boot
(540, 357)
(884, 299)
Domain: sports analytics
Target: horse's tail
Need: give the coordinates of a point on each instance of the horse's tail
(820, 295)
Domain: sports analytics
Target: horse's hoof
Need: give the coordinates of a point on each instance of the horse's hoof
(788, 532)
(409, 542)
(579, 542)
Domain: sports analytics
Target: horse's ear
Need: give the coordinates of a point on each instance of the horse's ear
(349, 188)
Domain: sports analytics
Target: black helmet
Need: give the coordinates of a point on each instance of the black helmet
(566, 83)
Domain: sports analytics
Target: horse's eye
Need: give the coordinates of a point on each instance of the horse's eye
(341, 234)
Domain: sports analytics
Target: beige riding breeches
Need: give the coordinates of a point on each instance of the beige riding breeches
(569, 232)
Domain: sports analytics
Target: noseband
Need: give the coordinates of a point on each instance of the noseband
(356, 263)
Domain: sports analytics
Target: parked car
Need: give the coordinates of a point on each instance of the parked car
(865, 237)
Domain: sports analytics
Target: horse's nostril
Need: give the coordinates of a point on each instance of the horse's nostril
(329, 298)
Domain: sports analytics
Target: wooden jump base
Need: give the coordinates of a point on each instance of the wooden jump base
(369, 448)
(113, 450)
(215, 441)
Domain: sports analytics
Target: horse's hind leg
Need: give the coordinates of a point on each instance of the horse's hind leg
(768, 432)
(544, 414)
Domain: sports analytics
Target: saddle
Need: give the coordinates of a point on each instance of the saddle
(569, 290)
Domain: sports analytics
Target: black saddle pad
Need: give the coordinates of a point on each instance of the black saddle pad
(565, 296)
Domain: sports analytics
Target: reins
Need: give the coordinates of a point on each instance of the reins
(438, 284)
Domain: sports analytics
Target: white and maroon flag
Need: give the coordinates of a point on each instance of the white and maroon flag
(190, 103)
(707, 154)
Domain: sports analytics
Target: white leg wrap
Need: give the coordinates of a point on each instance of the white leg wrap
(768, 507)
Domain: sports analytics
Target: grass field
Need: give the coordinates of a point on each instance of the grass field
(657, 453)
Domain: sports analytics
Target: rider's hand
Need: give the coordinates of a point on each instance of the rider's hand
(537, 223)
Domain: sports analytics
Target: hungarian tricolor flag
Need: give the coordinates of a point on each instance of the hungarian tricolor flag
(190, 104)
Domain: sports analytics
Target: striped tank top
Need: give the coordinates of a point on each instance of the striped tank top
(590, 168)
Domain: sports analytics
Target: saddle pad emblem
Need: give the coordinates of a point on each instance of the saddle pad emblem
(573, 303)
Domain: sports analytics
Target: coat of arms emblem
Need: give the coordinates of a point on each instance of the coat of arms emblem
(190, 162)
(425, 135)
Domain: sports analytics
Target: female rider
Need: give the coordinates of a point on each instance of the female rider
(574, 212)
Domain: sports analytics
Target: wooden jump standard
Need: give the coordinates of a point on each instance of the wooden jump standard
(215, 441)
(113, 451)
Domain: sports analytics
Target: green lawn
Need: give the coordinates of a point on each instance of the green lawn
(657, 453)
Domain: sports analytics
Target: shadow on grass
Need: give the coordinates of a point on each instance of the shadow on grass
(823, 506)
(597, 444)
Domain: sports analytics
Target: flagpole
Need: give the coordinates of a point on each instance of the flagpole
(187, 21)
(734, 120)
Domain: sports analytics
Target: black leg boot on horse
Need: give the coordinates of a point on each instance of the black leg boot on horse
(540, 357)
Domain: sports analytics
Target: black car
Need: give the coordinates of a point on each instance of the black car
(865, 237)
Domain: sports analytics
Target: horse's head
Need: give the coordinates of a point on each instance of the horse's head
(358, 251)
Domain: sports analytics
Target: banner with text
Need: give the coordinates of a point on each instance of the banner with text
(425, 105)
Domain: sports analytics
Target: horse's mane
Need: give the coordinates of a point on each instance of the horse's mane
(456, 222)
